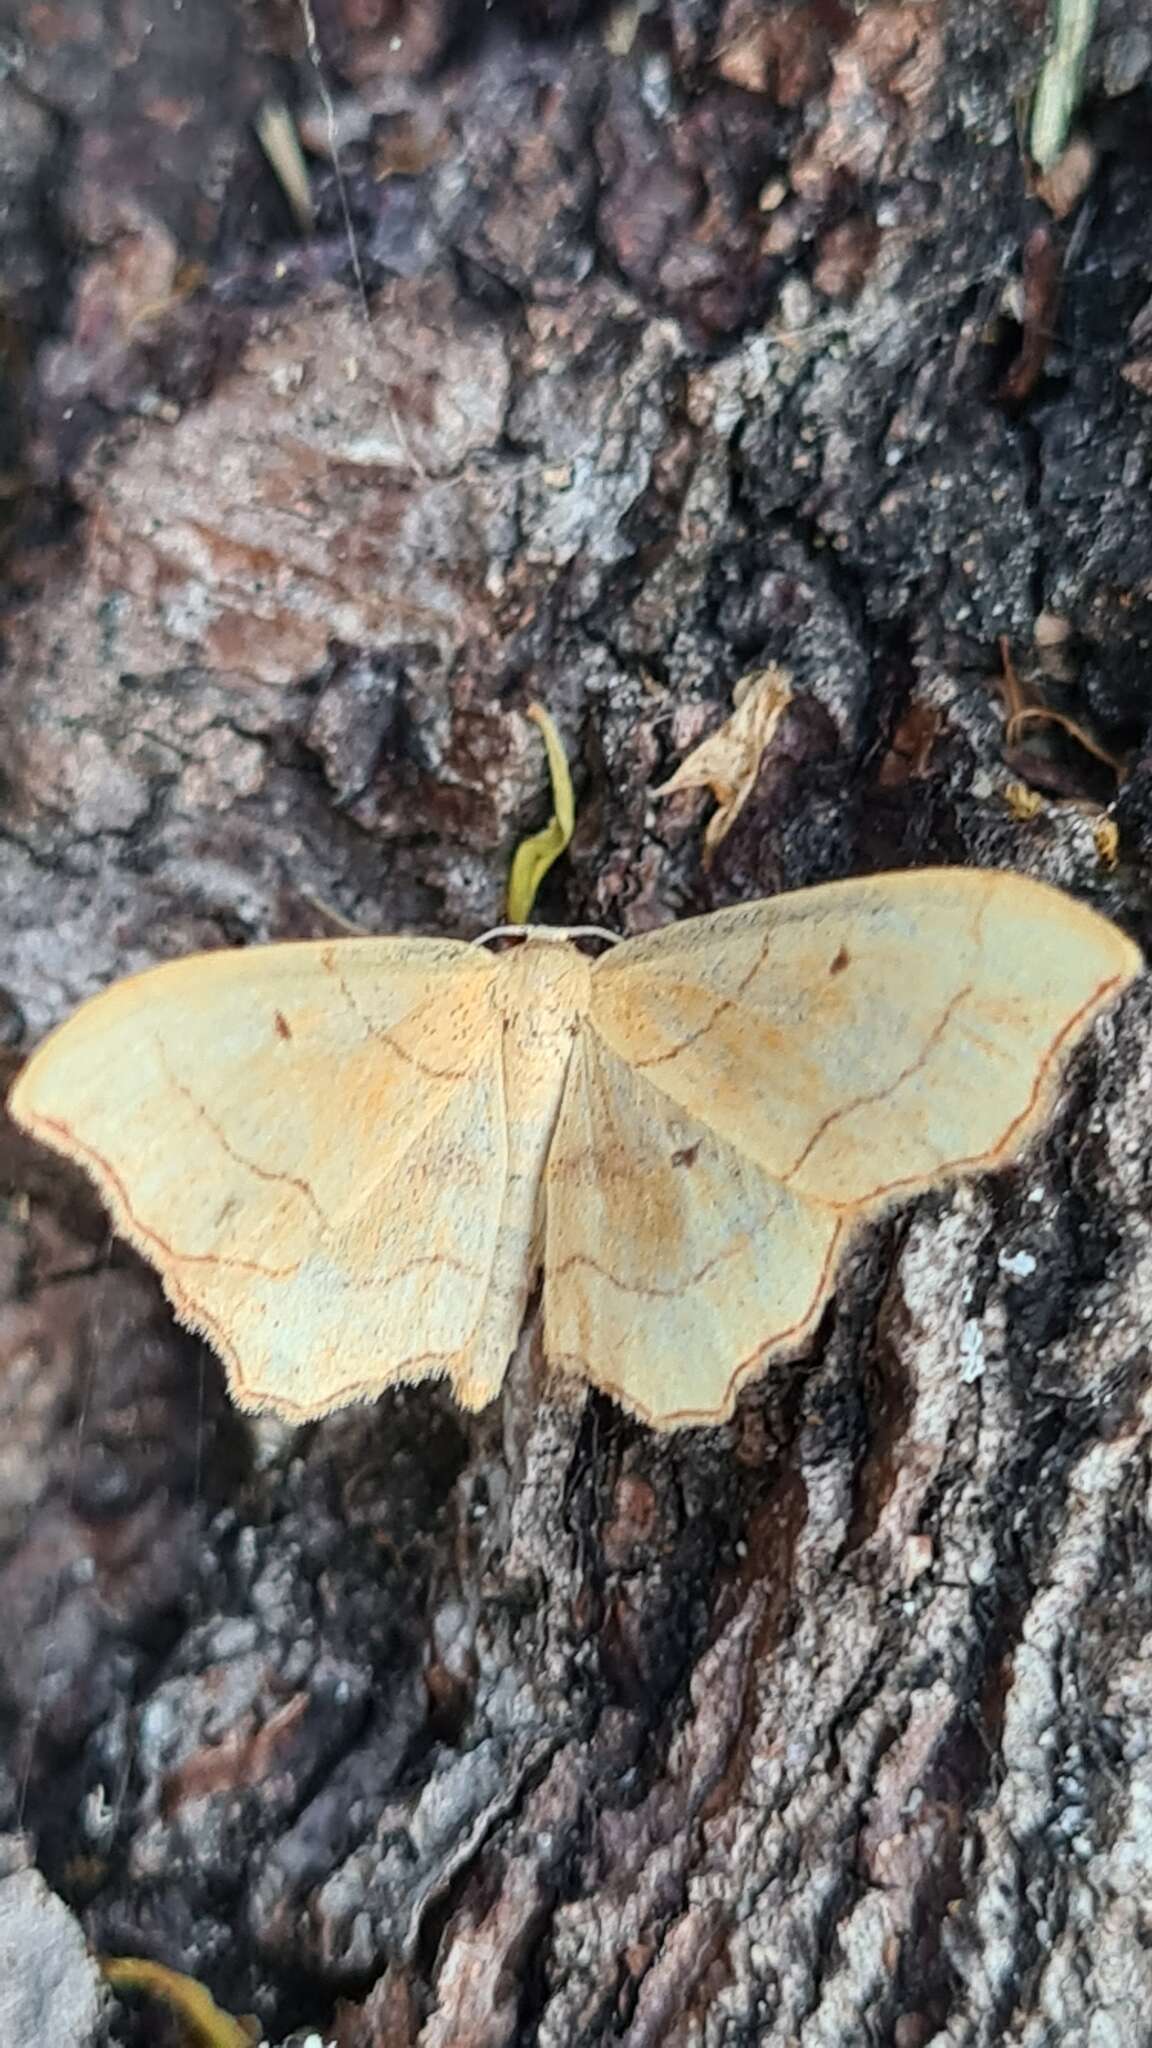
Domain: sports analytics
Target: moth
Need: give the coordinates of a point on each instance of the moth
(350, 1161)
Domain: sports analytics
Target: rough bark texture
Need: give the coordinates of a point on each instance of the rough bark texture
(700, 336)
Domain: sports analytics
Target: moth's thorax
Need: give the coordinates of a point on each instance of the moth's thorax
(541, 993)
(542, 989)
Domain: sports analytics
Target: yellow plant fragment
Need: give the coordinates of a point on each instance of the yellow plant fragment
(728, 761)
(206, 2025)
(1024, 803)
(1059, 85)
(1107, 836)
(1040, 714)
(533, 857)
(276, 131)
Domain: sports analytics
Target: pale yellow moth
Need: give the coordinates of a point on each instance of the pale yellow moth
(350, 1160)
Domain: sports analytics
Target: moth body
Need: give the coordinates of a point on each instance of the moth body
(539, 995)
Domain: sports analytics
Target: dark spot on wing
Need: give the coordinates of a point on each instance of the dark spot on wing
(283, 1028)
(840, 962)
(687, 1155)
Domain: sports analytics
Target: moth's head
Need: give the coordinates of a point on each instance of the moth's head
(586, 938)
(541, 972)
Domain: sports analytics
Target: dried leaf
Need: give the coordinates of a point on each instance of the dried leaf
(728, 761)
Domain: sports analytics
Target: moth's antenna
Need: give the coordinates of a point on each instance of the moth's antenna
(559, 933)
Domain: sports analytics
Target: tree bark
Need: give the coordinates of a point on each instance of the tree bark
(741, 341)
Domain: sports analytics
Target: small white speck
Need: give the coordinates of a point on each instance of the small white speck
(971, 1351)
(1017, 1265)
(99, 1815)
(918, 1556)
